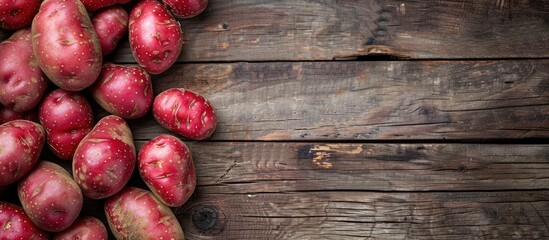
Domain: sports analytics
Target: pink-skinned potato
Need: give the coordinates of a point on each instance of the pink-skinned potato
(15, 224)
(94, 5)
(84, 228)
(67, 117)
(50, 197)
(22, 82)
(166, 166)
(125, 91)
(155, 36)
(16, 15)
(66, 45)
(135, 213)
(7, 114)
(105, 159)
(186, 8)
(185, 112)
(21, 142)
(110, 24)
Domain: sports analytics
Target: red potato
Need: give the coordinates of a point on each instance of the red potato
(7, 114)
(66, 45)
(135, 213)
(125, 91)
(186, 8)
(16, 15)
(166, 166)
(155, 36)
(94, 5)
(50, 197)
(22, 82)
(84, 228)
(15, 224)
(67, 117)
(110, 24)
(185, 112)
(21, 142)
(105, 159)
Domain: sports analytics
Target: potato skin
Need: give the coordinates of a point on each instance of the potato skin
(185, 112)
(166, 166)
(50, 197)
(125, 91)
(21, 142)
(67, 117)
(66, 45)
(105, 159)
(84, 228)
(22, 82)
(16, 15)
(110, 24)
(155, 36)
(135, 213)
(186, 8)
(17, 225)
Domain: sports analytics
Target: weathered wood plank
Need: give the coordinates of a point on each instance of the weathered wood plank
(371, 215)
(265, 30)
(368, 100)
(230, 167)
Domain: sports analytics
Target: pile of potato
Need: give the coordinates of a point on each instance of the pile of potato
(63, 42)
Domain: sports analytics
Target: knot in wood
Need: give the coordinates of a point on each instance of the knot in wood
(205, 219)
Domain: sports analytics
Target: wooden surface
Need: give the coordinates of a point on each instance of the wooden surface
(365, 119)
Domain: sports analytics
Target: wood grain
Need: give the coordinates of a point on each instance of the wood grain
(265, 30)
(395, 100)
(367, 215)
(234, 168)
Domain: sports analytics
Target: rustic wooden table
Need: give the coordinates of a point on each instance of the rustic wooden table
(367, 119)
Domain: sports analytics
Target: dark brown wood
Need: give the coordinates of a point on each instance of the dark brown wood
(265, 30)
(234, 168)
(431, 100)
(366, 215)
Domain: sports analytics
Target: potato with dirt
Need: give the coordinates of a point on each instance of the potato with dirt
(50, 197)
(17, 225)
(135, 213)
(84, 228)
(185, 112)
(66, 44)
(155, 36)
(166, 166)
(22, 82)
(21, 142)
(125, 91)
(105, 159)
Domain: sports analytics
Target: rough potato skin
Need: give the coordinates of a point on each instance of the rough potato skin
(110, 24)
(84, 228)
(22, 82)
(185, 112)
(50, 197)
(166, 166)
(135, 213)
(105, 159)
(186, 8)
(16, 15)
(67, 118)
(66, 45)
(21, 142)
(15, 224)
(155, 36)
(125, 91)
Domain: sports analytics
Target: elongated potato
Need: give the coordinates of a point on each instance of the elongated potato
(135, 213)
(66, 45)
